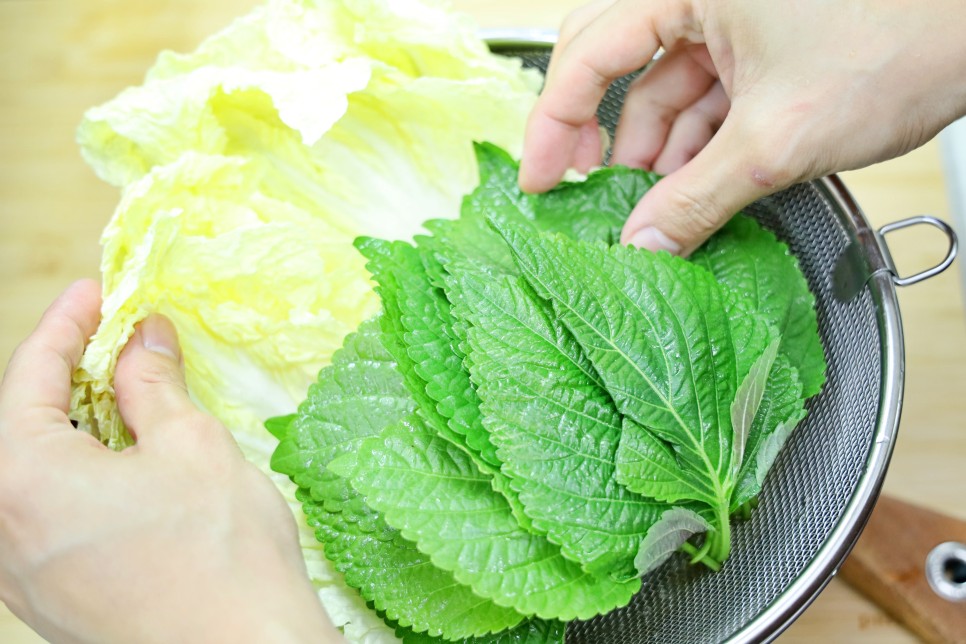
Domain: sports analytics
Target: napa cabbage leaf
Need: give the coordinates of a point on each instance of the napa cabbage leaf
(247, 167)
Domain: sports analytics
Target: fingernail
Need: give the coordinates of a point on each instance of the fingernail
(653, 239)
(159, 335)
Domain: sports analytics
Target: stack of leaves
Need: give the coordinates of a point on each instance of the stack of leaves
(540, 416)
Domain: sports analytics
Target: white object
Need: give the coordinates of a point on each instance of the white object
(953, 145)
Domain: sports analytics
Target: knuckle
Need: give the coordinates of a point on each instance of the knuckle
(37, 345)
(657, 108)
(594, 73)
(570, 27)
(769, 165)
(575, 22)
(208, 427)
(20, 351)
(157, 374)
(699, 211)
(767, 176)
(188, 426)
(774, 150)
(200, 436)
(709, 115)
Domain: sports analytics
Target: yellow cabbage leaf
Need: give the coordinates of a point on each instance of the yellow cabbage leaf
(246, 169)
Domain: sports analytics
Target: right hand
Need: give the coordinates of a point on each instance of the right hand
(750, 97)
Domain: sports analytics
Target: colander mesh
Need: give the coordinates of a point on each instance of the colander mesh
(815, 475)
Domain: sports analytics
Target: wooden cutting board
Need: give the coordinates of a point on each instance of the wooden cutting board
(889, 566)
(59, 57)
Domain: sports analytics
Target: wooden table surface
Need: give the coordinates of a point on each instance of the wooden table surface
(59, 57)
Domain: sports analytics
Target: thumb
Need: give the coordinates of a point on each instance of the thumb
(687, 206)
(149, 382)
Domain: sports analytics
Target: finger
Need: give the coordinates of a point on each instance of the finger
(40, 370)
(693, 129)
(622, 39)
(653, 103)
(684, 208)
(573, 24)
(149, 382)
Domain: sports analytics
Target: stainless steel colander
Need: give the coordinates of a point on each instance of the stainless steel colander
(825, 482)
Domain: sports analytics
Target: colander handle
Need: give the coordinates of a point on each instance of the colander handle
(869, 255)
(929, 272)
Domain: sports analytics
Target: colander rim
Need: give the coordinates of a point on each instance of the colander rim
(805, 588)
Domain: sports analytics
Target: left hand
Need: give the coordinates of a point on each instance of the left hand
(177, 539)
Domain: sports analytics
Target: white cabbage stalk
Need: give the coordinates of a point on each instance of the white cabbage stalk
(248, 167)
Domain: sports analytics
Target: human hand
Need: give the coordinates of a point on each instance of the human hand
(177, 539)
(750, 97)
